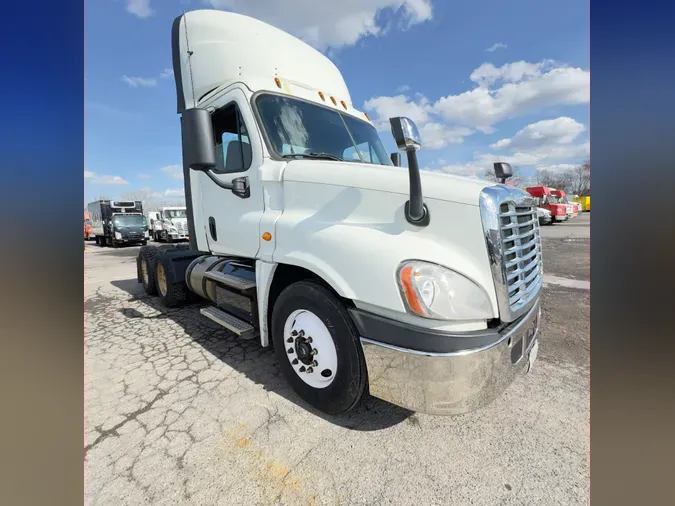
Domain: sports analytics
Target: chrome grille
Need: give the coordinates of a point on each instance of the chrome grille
(181, 227)
(511, 230)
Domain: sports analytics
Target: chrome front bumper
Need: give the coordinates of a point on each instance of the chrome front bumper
(451, 383)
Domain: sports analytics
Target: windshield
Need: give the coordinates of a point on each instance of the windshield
(175, 213)
(552, 199)
(129, 220)
(301, 129)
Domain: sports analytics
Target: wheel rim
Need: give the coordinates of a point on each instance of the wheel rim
(161, 280)
(310, 348)
(144, 271)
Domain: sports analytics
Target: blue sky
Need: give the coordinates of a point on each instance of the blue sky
(484, 81)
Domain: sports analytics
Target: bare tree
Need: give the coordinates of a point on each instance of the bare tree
(151, 200)
(576, 181)
(581, 180)
(516, 180)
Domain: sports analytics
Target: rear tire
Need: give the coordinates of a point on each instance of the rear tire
(147, 259)
(173, 292)
(349, 383)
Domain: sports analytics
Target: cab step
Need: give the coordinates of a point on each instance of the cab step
(243, 329)
(230, 280)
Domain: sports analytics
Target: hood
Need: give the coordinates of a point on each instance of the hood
(390, 179)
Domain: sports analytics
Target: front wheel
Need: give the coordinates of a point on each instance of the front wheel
(318, 347)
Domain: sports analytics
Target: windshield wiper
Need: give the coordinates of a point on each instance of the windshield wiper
(311, 154)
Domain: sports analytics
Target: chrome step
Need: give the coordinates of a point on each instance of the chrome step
(230, 280)
(243, 329)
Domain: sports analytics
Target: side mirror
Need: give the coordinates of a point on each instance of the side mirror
(198, 140)
(503, 171)
(405, 134)
(396, 159)
(407, 139)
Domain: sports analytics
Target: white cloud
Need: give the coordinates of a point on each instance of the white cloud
(495, 46)
(561, 130)
(560, 167)
(143, 176)
(173, 171)
(103, 179)
(176, 192)
(525, 87)
(434, 134)
(167, 72)
(437, 135)
(325, 24)
(549, 154)
(140, 8)
(135, 82)
(403, 88)
(400, 105)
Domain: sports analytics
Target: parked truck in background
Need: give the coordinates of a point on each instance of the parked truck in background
(169, 224)
(88, 233)
(545, 200)
(422, 289)
(116, 222)
(584, 202)
(572, 207)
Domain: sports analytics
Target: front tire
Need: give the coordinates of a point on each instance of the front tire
(335, 379)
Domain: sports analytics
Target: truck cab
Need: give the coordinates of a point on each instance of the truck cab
(169, 224)
(417, 287)
(572, 207)
(546, 200)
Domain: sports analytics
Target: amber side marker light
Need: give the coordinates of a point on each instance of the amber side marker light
(278, 81)
(409, 290)
(267, 236)
(323, 97)
(343, 104)
(366, 115)
(333, 100)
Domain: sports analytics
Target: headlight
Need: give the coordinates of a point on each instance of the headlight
(436, 292)
(118, 235)
(147, 234)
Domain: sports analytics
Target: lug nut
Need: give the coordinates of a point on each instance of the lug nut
(295, 361)
(301, 333)
(290, 351)
(294, 333)
(315, 363)
(302, 369)
(289, 340)
(309, 339)
(314, 352)
(310, 370)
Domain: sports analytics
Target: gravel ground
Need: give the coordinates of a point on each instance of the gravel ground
(179, 411)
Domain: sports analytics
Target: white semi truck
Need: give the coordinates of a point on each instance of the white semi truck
(169, 224)
(421, 289)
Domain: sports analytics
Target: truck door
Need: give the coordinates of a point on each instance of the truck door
(232, 221)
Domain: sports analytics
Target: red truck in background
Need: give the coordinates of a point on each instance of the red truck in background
(562, 199)
(546, 200)
(87, 226)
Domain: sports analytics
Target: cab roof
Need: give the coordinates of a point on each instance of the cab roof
(213, 48)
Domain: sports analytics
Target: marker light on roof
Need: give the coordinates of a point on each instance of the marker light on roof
(278, 81)
(323, 97)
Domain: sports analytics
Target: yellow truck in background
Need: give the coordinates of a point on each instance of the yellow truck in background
(585, 202)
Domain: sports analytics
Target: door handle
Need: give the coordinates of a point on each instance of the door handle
(212, 228)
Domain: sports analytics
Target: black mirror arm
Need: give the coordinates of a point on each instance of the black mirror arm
(239, 186)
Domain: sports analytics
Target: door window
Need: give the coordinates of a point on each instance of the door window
(233, 148)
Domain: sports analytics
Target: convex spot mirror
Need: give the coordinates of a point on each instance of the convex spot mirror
(405, 133)
(503, 170)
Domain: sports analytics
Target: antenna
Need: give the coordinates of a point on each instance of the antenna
(189, 53)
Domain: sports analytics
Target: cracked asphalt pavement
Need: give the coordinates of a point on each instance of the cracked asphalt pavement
(180, 411)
